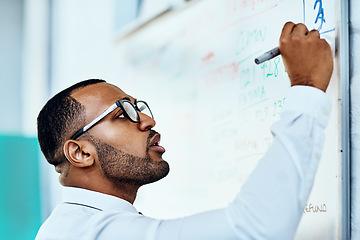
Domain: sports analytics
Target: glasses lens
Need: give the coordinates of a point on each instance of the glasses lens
(130, 111)
(144, 108)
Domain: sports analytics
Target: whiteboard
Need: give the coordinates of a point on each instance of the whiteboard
(214, 107)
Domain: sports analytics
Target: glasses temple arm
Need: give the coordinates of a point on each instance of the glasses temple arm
(96, 120)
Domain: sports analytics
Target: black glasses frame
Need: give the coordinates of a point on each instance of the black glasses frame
(110, 109)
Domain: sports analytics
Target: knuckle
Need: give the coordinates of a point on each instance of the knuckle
(296, 39)
(315, 31)
(283, 43)
(283, 40)
(300, 24)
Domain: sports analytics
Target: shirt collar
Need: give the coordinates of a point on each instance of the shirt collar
(96, 200)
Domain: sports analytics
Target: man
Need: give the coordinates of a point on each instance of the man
(102, 143)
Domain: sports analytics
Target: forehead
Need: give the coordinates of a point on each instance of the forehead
(97, 97)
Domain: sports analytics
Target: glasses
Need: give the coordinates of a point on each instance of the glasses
(130, 111)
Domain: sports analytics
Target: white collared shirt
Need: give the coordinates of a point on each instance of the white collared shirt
(269, 206)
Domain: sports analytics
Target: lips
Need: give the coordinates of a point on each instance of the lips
(155, 144)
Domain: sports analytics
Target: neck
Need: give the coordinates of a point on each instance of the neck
(124, 191)
(101, 184)
(127, 193)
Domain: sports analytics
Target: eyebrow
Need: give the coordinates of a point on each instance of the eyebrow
(128, 98)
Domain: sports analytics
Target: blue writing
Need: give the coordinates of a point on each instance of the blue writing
(320, 16)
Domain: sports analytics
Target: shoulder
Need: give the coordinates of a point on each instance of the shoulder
(77, 222)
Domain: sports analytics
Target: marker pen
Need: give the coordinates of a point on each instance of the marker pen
(268, 55)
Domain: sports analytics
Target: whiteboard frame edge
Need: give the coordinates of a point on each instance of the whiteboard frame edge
(343, 25)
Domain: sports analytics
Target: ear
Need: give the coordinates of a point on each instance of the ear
(80, 153)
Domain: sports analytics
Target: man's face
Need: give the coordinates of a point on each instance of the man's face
(127, 151)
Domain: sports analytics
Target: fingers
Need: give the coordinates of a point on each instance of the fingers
(290, 32)
(307, 58)
(295, 32)
(287, 29)
(291, 28)
(300, 29)
(314, 33)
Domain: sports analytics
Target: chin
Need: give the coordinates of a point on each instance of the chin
(156, 157)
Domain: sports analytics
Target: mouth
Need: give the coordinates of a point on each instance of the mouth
(155, 144)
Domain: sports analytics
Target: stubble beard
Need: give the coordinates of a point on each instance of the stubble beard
(120, 167)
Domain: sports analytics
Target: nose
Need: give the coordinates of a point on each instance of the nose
(146, 122)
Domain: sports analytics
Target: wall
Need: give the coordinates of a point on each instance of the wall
(11, 32)
(20, 89)
(20, 189)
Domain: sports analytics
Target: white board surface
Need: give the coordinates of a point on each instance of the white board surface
(214, 106)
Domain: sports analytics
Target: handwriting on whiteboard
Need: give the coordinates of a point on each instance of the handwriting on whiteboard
(315, 15)
(312, 209)
(236, 7)
(219, 75)
(320, 14)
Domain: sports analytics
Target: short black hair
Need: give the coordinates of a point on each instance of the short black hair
(61, 116)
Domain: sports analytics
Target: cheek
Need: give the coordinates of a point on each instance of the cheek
(126, 138)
